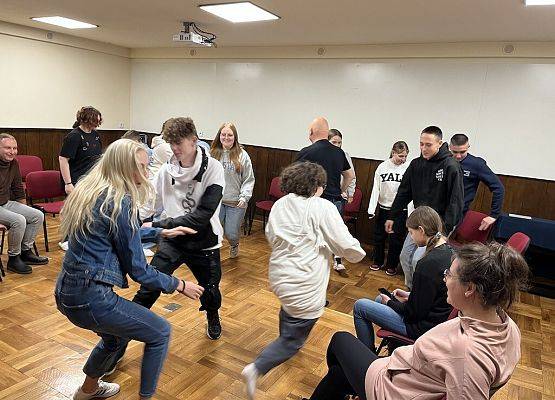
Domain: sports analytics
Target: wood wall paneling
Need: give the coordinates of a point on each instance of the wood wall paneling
(533, 197)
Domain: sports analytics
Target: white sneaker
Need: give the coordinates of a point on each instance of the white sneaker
(63, 245)
(148, 252)
(338, 267)
(104, 390)
(250, 375)
(234, 251)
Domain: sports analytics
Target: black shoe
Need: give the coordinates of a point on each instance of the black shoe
(214, 328)
(16, 264)
(30, 258)
(327, 303)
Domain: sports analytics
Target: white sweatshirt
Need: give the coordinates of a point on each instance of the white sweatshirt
(387, 179)
(352, 185)
(304, 233)
(161, 153)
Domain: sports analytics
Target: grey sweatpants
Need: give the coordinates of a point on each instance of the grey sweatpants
(23, 222)
(293, 332)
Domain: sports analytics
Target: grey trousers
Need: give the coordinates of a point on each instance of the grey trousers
(410, 255)
(23, 222)
(293, 332)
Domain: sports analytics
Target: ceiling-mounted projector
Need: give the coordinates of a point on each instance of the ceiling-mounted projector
(191, 35)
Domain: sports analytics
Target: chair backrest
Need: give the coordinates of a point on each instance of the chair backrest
(28, 164)
(519, 241)
(354, 206)
(44, 185)
(275, 191)
(468, 231)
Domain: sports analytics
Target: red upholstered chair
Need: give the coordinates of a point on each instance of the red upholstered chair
(274, 193)
(468, 231)
(351, 210)
(45, 185)
(389, 337)
(519, 241)
(28, 164)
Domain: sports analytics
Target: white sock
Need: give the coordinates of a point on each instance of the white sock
(250, 375)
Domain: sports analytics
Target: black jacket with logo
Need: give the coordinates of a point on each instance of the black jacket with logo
(437, 183)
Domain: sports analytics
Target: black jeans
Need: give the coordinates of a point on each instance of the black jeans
(396, 239)
(348, 360)
(204, 264)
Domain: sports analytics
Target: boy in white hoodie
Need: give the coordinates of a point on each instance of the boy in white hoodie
(304, 230)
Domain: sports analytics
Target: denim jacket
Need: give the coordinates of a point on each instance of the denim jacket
(108, 257)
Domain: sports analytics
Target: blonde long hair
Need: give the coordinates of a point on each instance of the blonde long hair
(113, 178)
(429, 220)
(216, 149)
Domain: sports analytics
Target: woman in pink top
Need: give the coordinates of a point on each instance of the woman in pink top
(468, 357)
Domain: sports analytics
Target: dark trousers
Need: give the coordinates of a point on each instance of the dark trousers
(340, 205)
(348, 360)
(204, 264)
(396, 238)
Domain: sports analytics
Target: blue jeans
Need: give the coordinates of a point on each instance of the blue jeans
(368, 311)
(231, 219)
(94, 306)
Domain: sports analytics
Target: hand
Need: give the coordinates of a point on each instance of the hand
(69, 188)
(370, 216)
(177, 231)
(350, 199)
(242, 204)
(389, 226)
(385, 298)
(401, 295)
(486, 222)
(146, 225)
(344, 195)
(190, 289)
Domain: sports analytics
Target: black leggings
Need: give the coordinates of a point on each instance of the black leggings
(348, 360)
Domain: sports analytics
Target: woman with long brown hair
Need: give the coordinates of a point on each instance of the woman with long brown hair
(239, 182)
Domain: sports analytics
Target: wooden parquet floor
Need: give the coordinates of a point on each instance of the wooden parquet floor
(41, 353)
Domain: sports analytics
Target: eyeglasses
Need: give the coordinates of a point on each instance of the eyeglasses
(447, 273)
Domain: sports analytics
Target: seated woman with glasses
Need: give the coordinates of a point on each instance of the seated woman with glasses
(412, 313)
(468, 357)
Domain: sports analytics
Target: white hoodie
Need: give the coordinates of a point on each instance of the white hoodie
(180, 191)
(387, 179)
(304, 233)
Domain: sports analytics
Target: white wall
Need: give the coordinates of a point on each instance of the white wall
(505, 107)
(43, 84)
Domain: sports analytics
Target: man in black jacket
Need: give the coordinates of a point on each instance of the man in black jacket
(434, 179)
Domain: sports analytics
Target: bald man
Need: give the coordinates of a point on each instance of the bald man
(336, 165)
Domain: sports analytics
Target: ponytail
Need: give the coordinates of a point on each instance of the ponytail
(432, 242)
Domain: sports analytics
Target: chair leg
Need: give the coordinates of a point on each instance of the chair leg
(383, 343)
(251, 218)
(35, 248)
(45, 234)
(2, 245)
(2, 272)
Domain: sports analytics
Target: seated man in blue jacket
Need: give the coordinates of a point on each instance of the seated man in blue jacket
(475, 170)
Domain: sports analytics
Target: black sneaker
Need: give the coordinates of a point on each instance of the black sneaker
(30, 258)
(214, 328)
(16, 264)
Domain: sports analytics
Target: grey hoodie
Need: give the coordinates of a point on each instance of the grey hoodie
(238, 185)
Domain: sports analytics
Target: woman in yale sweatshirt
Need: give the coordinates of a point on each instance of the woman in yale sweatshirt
(303, 230)
(239, 182)
(387, 179)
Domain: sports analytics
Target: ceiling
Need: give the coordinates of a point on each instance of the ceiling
(149, 23)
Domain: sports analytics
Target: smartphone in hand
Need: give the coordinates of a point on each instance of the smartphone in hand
(387, 293)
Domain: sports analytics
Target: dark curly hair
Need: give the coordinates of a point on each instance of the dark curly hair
(89, 116)
(497, 270)
(302, 178)
(176, 129)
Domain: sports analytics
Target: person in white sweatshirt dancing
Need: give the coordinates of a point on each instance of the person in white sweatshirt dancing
(303, 230)
(387, 179)
(239, 182)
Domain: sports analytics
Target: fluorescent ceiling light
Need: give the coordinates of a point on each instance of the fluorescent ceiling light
(539, 2)
(65, 22)
(239, 12)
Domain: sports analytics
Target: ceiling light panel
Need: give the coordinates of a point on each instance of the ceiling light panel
(65, 22)
(239, 12)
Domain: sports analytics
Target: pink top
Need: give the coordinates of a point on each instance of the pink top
(462, 357)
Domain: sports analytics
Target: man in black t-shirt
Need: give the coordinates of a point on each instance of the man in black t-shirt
(334, 162)
(81, 147)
